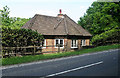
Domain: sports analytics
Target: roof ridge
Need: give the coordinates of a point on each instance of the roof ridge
(66, 28)
(32, 21)
(73, 25)
(55, 26)
(46, 15)
(85, 30)
(78, 25)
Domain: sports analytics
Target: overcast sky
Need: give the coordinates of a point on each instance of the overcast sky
(28, 8)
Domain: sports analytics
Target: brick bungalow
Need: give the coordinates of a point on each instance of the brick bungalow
(59, 30)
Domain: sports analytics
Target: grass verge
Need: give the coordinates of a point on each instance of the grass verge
(31, 58)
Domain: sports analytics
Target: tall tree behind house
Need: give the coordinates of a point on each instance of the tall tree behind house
(101, 17)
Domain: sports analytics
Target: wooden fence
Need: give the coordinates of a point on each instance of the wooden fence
(100, 43)
(35, 50)
(28, 50)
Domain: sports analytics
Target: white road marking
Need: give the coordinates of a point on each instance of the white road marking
(75, 69)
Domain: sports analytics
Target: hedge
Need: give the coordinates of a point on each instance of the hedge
(110, 36)
(20, 37)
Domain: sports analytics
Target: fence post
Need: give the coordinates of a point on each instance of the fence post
(21, 51)
(58, 47)
(24, 50)
(8, 52)
(34, 50)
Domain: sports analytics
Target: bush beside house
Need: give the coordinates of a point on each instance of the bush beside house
(19, 38)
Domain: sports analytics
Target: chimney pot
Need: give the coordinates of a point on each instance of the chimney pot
(60, 11)
(60, 15)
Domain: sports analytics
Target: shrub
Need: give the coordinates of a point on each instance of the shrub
(20, 37)
(111, 36)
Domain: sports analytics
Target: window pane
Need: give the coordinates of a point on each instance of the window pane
(56, 43)
(74, 43)
(61, 43)
(43, 43)
(83, 42)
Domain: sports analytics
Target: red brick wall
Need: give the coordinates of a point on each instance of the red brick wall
(87, 42)
(50, 42)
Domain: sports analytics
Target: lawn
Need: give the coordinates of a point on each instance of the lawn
(31, 58)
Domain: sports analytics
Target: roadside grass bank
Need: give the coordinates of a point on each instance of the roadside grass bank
(31, 58)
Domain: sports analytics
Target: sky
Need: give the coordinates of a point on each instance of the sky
(28, 8)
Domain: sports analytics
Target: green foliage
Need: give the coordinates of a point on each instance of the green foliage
(111, 35)
(20, 37)
(4, 14)
(19, 22)
(102, 21)
(12, 22)
(101, 17)
(14, 36)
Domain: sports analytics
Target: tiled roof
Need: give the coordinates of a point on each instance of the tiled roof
(48, 25)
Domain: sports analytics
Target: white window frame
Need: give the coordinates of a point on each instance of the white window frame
(83, 42)
(75, 43)
(58, 43)
(44, 43)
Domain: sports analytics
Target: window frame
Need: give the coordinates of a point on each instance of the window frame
(58, 42)
(44, 43)
(83, 43)
(75, 43)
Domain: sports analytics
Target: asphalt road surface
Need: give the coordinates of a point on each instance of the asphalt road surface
(95, 64)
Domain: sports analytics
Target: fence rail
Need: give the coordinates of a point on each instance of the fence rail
(99, 43)
(27, 50)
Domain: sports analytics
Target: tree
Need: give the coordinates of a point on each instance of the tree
(12, 22)
(19, 22)
(102, 21)
(101, 17)
(4, 15)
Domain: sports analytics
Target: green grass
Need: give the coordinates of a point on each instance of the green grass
(31, 58)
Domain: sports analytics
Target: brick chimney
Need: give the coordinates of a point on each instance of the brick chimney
(60, 14)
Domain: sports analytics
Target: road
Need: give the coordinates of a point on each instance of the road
(95, 64)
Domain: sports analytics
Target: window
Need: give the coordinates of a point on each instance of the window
(59, 41)
(83, 42)
(74, 43)
(44, 44)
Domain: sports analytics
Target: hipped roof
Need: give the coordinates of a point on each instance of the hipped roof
(49, 25)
